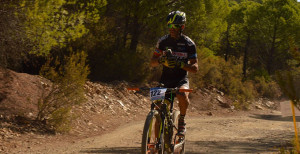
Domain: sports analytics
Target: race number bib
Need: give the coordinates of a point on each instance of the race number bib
(157, 93)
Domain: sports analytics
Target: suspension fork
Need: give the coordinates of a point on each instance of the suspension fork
(162, 126)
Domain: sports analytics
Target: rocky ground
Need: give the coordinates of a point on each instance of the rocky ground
(108, 106)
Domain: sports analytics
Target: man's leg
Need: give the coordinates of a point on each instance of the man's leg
(183, 105)
(183, 102)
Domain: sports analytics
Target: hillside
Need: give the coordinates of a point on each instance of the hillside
(108, 106)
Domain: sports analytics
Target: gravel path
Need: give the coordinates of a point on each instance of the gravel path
(248, 133)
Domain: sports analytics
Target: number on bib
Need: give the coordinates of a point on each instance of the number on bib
(157, 93)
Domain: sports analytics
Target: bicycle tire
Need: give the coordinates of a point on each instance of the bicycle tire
(148, 140)
(175, 117)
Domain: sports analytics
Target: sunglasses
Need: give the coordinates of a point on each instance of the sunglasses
(174, 26)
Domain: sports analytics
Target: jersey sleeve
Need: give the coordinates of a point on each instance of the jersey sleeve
(192, 54)
(159, 48)
(157, 52)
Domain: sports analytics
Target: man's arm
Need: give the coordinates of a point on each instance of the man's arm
(192, 67)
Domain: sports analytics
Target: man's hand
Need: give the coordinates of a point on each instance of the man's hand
(168, 62)
(172, 63)
(180, 64)
(162, 59)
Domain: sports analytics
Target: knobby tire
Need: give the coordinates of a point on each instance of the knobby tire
(149, 129)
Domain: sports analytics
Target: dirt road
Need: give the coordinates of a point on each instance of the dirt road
(249, 133)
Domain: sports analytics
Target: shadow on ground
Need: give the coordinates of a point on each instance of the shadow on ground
(274, 117)
(199, 147)
(115, 150)
(202, 147)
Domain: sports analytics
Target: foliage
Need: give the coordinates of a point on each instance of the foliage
(261, 32)
(54, 23)
(121, 65)
(276, 22)
(205, 22)
(226, 76)
(289, 82)
(68, 76)
(290, 150)
(268, 89)
(253, 36)
(289, 79)
(13, 43)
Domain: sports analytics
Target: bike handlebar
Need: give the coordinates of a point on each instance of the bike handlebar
(135, 89)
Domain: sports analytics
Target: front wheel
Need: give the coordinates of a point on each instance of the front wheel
(151, 134)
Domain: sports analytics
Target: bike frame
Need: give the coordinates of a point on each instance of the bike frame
(165, 114)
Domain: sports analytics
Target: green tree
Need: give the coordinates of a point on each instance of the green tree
(241, 31)
(205, 21)
(52, 24)
(277, 24)
(138, 21)
(13, 42)
(125, 39)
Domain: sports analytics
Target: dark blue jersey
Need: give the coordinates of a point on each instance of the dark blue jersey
(183, 48)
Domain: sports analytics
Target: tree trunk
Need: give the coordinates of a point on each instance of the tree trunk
(136, 27)
(227, 44)
(270, 65)
(135, 34)
(125, 33)
(245, 62)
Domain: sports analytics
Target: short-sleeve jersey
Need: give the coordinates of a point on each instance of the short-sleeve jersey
(183, 48)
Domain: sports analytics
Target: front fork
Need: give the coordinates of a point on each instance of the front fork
(161, 129)
(164, 114)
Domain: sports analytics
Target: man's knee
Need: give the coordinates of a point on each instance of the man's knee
(183, 98)
(182, 95)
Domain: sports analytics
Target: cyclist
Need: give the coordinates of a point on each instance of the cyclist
(175, 70)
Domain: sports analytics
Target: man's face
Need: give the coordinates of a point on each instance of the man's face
(174, 30)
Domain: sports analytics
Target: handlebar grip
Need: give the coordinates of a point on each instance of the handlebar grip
(136, 89)
(185, 90)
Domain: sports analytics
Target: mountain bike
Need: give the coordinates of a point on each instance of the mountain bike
(159, 134)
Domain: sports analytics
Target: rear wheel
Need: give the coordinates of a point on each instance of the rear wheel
(151, 133)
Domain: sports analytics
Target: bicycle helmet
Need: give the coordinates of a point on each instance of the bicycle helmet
(176, 17)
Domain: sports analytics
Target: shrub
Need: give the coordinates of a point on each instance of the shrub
(226, 76)
(265, 88)
(68, 77)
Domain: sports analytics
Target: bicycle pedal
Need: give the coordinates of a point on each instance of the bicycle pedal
(180, 135)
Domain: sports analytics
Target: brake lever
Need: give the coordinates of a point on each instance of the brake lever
(169, 53)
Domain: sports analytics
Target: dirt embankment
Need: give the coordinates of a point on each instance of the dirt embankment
(108, 106)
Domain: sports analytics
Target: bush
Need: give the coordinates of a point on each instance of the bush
(225, 76)
(68, 76)
(265, 88)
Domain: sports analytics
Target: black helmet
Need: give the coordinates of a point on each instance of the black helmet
(176, 17)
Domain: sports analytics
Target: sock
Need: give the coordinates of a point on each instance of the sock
(181, 117)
